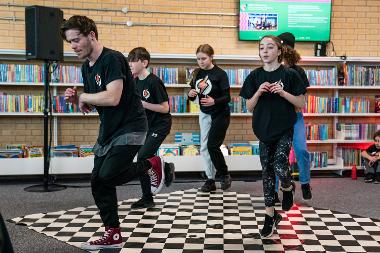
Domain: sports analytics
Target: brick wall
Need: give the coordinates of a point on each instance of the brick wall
(355, 32)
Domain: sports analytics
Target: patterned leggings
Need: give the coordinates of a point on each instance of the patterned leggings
(274, 158)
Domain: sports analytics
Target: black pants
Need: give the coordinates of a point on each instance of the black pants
(5, 242)
(216, 135)
(152, 142)
(113, 169)
(274, 158)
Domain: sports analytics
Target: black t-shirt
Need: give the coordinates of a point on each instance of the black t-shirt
(372, 150)
(273, 115)
(128, 116)
(216, 86)
(152, 90)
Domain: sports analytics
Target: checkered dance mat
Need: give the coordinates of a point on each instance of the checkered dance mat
(193, 222)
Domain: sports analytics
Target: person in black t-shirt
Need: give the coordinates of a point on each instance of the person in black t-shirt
(109, 87)
(272, 92)
(155, 100)
(290, 59)
(371, 161)
(210, 86)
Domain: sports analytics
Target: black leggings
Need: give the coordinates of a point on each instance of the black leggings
(274, 158)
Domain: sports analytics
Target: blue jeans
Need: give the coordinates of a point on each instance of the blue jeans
(300, 150)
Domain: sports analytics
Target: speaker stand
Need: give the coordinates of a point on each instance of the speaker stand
(46, 186)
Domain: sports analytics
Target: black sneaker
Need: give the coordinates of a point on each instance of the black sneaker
(225, 182)
(369, 178)
(377, 179)
(306, 191)
(209, 186)
(287, 198)
(277, 201)
(143, 203)
(169, 174)
(270, 224)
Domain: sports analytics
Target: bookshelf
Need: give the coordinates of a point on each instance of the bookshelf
(239, 131)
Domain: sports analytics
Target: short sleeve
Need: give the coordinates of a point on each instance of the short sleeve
(115, 68)
(249, 87)
(85, 82)
(304, 77)
(159, 91)
(297, 85)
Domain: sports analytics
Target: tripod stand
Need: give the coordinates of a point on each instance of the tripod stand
(47, 186)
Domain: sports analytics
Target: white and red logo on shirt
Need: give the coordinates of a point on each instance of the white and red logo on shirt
(203, 86)
(146, 93)
(98, 80)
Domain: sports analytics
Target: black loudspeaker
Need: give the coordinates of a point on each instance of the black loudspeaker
(320, 49)
(42, 38)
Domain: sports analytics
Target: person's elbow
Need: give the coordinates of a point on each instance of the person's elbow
(165, 107)
(114, 101)
(302, 103)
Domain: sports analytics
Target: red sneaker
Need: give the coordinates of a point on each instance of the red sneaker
(156, 174)
(111, 239)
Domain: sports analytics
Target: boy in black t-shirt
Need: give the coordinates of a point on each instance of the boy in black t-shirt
(272, 92)
(155, 100)
(371, 161)
(109, 87)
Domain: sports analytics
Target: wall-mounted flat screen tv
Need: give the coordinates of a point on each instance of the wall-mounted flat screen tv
(308, 20)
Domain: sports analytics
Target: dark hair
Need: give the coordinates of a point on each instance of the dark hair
(83, 24)
(291, 56)
(278, 43)
(376, 134)
(138, 53)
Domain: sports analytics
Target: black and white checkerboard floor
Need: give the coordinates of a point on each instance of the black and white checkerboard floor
(191, 221)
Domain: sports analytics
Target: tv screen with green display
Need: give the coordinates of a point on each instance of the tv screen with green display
(308, 20)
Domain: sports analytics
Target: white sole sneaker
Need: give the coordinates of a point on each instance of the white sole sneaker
(88, 246)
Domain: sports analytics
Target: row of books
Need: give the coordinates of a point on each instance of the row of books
(29, 151)
(353, 131)
(66, 74)
(238, 105)
(21, 103)
(180, 104)
(351, 157)
(21, 73)
(317, 131)
(359, 75)
(319, 159)
(167, 75)
(337, 104)
(322, 77)
(233, 149)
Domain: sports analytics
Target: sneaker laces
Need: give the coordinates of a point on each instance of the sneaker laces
(103, 238)
(153, 177)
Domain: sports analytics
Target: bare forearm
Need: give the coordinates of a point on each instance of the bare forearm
(297, 101)
(251, 103)
(99, 99)
(161, 108)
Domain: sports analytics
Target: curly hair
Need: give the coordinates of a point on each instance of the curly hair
(291, 56)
